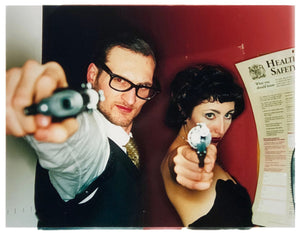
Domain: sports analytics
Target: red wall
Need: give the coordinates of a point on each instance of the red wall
(192, 34)
(183, 35)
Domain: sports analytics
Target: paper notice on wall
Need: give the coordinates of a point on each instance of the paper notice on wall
(269, 81)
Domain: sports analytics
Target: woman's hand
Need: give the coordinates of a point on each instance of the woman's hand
(184, 167)
(30, 84)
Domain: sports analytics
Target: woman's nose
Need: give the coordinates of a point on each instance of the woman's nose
(220, 127)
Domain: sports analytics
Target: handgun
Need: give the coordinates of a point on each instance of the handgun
(199, 137)
(66, 102)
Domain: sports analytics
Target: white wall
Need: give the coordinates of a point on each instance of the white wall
(23, 42)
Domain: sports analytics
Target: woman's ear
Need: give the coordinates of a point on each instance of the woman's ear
(92, 73)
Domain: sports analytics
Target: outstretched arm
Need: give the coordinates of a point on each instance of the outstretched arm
(67, 149)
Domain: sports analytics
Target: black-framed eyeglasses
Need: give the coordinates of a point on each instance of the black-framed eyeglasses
(121, 84)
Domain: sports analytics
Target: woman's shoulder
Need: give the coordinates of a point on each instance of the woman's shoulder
(221, 174)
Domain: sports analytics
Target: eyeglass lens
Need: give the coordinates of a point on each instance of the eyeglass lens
(119, 83)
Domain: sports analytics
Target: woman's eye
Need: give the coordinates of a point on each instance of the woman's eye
(210, 116)
(229, 116)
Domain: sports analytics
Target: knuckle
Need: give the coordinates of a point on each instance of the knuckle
(55, 66)
(57, 72)
(179, 150)
(12, 71)
(29, 64)
(176, 159)
(18, 101)
(192, 185)
(203, 186)
(11, 129)
(198, 176)
(179, 180)
(177, 169)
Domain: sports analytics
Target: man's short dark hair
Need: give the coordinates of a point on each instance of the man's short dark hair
(128, 40)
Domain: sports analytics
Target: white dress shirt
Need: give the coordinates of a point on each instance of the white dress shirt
(76, 163)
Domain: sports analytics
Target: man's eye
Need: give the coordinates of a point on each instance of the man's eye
(116, 79)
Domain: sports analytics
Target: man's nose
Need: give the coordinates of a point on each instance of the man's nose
(129, 96)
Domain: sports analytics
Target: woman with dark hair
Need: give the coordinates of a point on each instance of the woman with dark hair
(205, 94)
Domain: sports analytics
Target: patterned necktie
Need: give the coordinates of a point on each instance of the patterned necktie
(132, 152)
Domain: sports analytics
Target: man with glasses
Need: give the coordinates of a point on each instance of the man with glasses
(84, 177)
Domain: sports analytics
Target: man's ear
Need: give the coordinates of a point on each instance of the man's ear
(92, 73)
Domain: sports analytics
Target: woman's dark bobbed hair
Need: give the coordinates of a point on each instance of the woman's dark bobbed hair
(199, 83)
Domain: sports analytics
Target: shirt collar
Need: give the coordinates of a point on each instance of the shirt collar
(116, 133)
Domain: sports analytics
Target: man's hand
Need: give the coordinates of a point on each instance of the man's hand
(30, 84)
(184, 165)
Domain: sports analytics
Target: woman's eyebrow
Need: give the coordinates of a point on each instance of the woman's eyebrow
(218, 112)
(214, 110)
